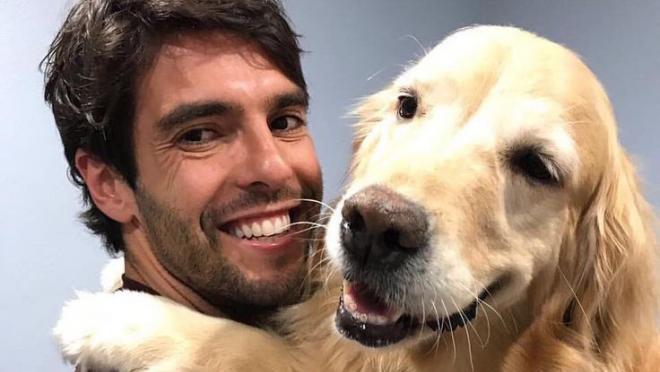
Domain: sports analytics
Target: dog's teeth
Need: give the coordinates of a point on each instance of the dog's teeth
(350, 304)
(376, 319)
(238, 232)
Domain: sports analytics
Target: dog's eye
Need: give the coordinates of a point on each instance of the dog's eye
(534, 166)
(407, 106)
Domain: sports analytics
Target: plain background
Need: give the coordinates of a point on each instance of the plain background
(355, 47)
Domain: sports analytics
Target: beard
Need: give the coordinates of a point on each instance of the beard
(197, 260)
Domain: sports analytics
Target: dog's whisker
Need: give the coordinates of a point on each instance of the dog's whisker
(304, 223)
(320, 264)
(453, 339)
(421, 329)
(438, 334)
(325, 205)
(437, 317)
(476, 297)
(487, 322)
(310, 228)
(319, 217)
(309, 276)
(331, 272)
(467, 331)
(485, 306)
(481, 303)
(497, 313)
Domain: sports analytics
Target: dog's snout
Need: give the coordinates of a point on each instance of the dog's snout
(382, 227)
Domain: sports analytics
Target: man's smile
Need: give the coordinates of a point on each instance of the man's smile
(271, 229)
(261, 227)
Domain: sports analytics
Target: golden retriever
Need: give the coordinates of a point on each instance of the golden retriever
(492, 222)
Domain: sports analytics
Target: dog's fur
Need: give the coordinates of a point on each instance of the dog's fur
(578, 256)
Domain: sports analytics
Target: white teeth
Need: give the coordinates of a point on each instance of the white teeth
(350, 304)
(277, 225)
(247, 231)
(378, 319)
(266, 227)
(256, 229)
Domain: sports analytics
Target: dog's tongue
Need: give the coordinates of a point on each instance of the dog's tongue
(365, 301)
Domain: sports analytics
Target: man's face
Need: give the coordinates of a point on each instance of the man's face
(224, 156)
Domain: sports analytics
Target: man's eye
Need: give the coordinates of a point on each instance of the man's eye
(197, 136)
(286, 123)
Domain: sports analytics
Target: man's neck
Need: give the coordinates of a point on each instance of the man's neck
(142, 266)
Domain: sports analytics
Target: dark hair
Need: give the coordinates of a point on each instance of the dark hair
(96, 58)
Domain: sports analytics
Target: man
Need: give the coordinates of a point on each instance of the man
(184, 124)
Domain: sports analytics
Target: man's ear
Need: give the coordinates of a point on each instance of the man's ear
(108, 189)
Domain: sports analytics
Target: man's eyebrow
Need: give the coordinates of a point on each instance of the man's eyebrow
(284, 100)
(191, 111)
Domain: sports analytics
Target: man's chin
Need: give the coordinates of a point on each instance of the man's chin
(269, 269)
(254, 299)
(272, 287)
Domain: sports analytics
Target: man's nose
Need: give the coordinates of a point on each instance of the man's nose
(266, 164)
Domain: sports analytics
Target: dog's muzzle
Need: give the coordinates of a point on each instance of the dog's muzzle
(381, 229)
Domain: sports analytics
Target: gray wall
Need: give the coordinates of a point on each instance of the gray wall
(355, 47)
(44, 252)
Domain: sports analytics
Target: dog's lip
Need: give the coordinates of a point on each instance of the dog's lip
(372, 335)
(380, 335)
(468, 313)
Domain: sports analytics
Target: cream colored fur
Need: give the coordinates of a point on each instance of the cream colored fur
(581, 295)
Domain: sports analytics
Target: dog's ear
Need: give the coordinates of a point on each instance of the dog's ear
(605, 282)
(602, 305)
(369, 112)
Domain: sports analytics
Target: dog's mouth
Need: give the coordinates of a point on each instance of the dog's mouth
(364, 317)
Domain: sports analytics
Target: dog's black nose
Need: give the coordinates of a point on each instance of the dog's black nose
(381, 228)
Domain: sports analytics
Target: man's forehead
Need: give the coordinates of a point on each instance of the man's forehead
(199, 45)
(191, 60)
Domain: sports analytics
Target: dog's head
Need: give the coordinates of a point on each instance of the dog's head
(479, 180)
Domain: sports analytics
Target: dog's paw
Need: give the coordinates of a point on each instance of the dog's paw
(78, 323)
(125, 331)
(115, 330)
